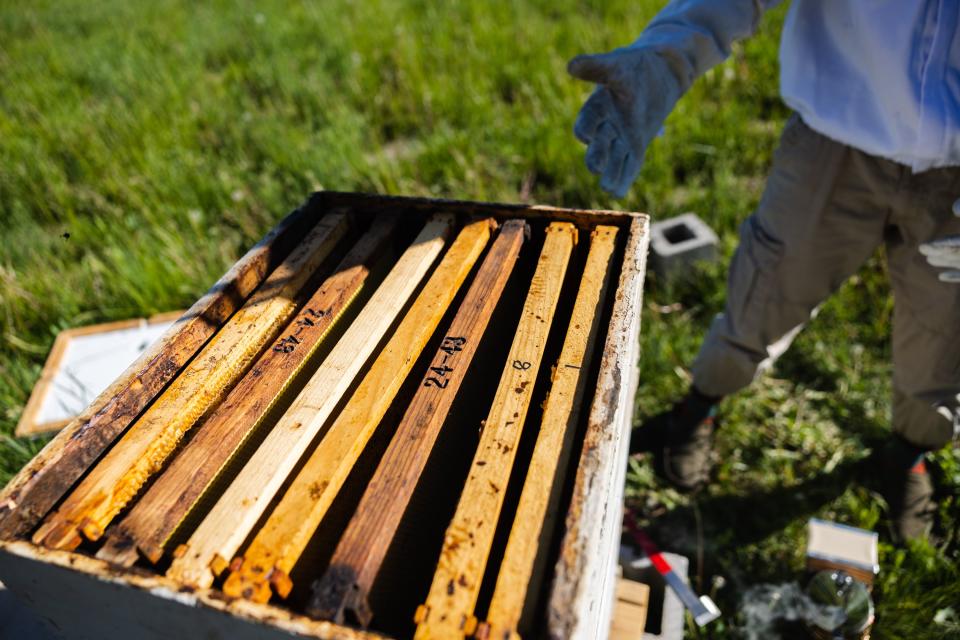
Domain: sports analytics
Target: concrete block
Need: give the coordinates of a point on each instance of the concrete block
(665, 612)
(676, 244)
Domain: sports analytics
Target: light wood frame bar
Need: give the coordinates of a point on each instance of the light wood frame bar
(216, 540)
(46, 479)
(363, 546)
(277, 546)
(149, 525)
(534, 522)
(448, 610)
(207, 379)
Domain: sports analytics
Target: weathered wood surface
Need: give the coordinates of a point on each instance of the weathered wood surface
(52, 472)
(280, 542)
(223, 530)
(89, 599)
(582, 596)
(368, 202)
(148, 527)
(143, 449)
(535, 519)
(363, 546)
(448, 611)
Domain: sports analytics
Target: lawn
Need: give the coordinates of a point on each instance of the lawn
(144, 146)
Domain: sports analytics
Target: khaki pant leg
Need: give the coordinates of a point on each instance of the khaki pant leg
(926, 324)
(821, 216)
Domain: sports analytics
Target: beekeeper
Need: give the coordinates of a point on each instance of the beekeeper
(870, 157)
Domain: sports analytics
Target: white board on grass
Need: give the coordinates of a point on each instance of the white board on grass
(82, 363)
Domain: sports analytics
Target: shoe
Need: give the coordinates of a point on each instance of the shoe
(681, 440)
(908, 490)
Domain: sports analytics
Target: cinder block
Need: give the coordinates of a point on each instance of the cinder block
(665, 614)
(676, 244)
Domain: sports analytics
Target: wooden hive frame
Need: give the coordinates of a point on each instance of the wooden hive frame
(89, 597)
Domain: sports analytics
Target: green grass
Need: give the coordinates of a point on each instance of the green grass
(165, 138)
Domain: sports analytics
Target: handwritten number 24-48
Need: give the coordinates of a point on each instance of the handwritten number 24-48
(449, 346)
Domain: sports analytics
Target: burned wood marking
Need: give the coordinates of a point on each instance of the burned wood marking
(363, 546)
(223, 530)
(449, 613)
(525, 556)
(279, 543)
(143, 449)
(48, 477)
(155, 517)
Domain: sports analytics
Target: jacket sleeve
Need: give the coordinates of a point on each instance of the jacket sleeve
(695, 35)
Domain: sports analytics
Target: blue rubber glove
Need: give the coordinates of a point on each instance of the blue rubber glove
(944, 253)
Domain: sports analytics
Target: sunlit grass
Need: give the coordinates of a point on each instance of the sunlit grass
(165, 138)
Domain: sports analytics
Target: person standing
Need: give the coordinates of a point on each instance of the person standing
(870, 157)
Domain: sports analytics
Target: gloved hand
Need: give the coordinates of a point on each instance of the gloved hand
(637, 89)
(945, 253)
(638, 85)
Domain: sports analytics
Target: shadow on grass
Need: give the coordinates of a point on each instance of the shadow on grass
(800, 366)
(745, 519)
(716, 532)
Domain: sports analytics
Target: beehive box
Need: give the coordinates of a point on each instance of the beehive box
(393, 417)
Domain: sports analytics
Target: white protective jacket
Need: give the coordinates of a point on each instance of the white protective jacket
(882, 76)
